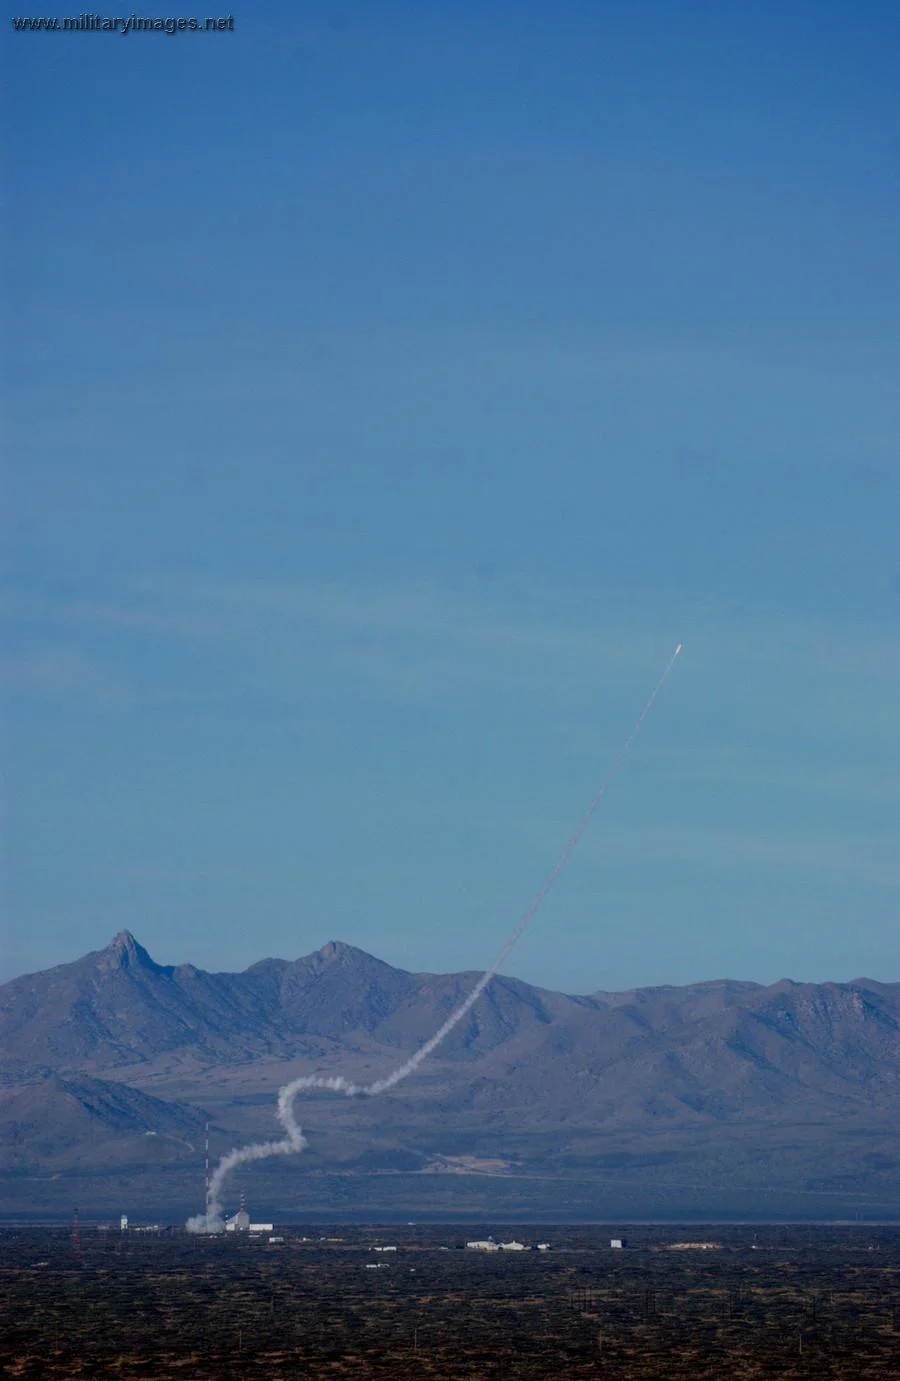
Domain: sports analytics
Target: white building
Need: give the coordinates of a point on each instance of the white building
(491, 1246)
(617, 1242)
(543, 1246)
(384, 1249)
(123, 1222)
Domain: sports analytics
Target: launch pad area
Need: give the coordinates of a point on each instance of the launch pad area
(785, 1301)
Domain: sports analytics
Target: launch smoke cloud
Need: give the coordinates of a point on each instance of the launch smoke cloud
(293, 1142)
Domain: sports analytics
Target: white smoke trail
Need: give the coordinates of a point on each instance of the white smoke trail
(294, 1141)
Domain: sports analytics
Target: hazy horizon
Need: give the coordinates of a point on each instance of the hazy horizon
(508, 971)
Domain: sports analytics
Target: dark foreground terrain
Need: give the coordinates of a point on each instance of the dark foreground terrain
(765, 1302)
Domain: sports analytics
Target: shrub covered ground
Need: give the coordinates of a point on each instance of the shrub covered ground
(765, 1302)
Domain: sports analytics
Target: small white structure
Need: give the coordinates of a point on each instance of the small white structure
(123, 1222)
(384, 1249)
(260, 1227)
(487, 1246)
(617, 1242)
(544, 1247)
(276, 1239)
(513, 1247)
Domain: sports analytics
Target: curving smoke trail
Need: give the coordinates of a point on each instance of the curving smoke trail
(294, 1141)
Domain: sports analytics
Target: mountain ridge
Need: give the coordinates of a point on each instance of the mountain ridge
(550, 1082)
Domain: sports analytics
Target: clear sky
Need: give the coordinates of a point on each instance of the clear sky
(392, 386)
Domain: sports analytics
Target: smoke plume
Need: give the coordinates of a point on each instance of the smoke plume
(293, 1142)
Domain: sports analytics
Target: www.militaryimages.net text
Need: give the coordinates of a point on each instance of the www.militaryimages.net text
(122, 24)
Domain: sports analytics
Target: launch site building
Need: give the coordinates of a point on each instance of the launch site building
(241, 1223)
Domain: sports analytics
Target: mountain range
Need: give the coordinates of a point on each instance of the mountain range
(722, 1098)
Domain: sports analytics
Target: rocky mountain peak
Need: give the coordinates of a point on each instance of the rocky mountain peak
(335, 951)
(355, 965)
(124, 952)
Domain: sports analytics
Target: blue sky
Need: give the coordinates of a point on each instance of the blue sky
(391, 387)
